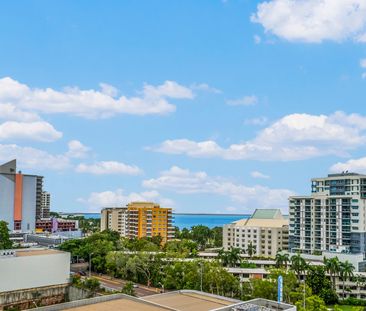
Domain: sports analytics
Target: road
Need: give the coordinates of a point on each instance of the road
(117, 284)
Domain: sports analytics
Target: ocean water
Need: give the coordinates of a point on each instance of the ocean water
(189, 220)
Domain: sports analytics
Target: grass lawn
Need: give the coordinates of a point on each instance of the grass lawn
(349, 308)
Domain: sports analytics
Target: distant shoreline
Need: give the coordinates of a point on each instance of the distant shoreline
(191, 214)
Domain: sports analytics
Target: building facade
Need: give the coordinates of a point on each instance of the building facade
(332, 218)
(139, 219)
(19, 196)
(266, 230)
(44, 210)
(52, 225)
(115, 219)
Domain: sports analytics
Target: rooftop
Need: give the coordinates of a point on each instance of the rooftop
(183, 300)
(190, 301)
(270, 218)
(28, 252)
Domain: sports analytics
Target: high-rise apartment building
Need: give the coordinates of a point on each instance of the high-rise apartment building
(332, 218)
(44, 211)
(20, 197)
(139, 219)
(266, 230)
(115, 219)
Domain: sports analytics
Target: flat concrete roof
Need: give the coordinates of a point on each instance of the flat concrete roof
(35, 252)
(119, 304)
(189, 301)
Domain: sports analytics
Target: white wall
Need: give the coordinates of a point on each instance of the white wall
(34, 271)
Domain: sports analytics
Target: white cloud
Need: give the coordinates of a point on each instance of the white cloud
(184, 181)
(257, 39)
(257, 121)
(363, 63)
(77, 150)
(205, 87)
(293, 137)
(108, 168)
(39, 131)
(108, 89)
(92, 103)
(32, 158)
(10, 112)
(352, 165)
(244, 101)
(256, 174)
(313, 20)
(98, 200)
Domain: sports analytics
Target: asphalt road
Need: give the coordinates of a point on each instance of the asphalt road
(117, 284)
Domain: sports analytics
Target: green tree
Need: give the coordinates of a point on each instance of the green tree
(320, 285)
(332, 266)
(282, 260)
(312, 303)
(201, 234)
(128, 289)
(251, 249)
(5, 242)
(346, 272)
(298, 264)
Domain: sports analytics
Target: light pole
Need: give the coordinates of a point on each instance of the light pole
(90, 256)
(201, 276)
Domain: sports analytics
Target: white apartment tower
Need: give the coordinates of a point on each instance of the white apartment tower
(332, 218)
(115, 219)
(45, 205)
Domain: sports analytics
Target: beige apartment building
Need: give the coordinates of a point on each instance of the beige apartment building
(139, 219)
(266, 229)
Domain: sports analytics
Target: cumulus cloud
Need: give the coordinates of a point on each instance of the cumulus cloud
(32, 158)
(184, 181)
(92, 103)
(118, 198)
(205, 87)
(77, 149)
(352, 165)
(256, 174)
(108, 168)
(313, 21)
(293, 137)
(38, 131)
(12, 113)
(244, 101)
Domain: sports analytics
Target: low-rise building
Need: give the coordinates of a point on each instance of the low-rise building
(183, 300)
(56, 224)
(266, 230)
(29, 272)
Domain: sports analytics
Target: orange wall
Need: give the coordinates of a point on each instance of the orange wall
(18, 197)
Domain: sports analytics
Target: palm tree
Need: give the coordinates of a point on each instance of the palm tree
(223, 256)
(332, 266)
(251, 249)
(346, 272)
(298, 264)
(234, 256)
(282, 260)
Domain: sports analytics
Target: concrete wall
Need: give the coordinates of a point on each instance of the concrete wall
(29, 203)
(7, 199)
(34, 271)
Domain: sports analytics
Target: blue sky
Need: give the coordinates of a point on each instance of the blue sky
(204, 106)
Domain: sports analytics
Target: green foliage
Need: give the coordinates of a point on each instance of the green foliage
(247, 265)
(187, 275)
(181, 248)
(312, 303)
(353, 302)
(92, 284)
(298, 264)
(128, 289)
(251, 249)
(75, 280)
(282, 260)
(5, 242)
(202, 235)
(230, 258)
(138, 245)
(320, 284)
